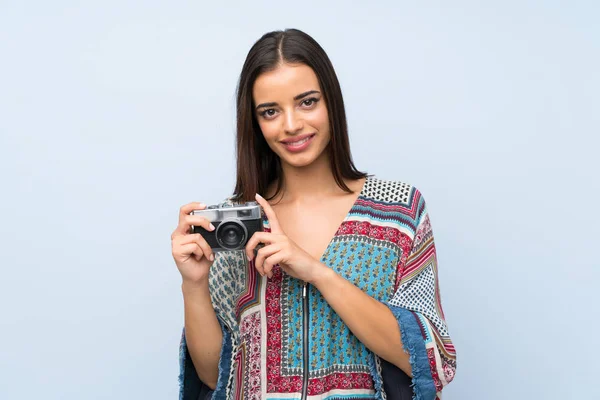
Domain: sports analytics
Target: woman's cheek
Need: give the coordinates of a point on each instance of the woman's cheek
(267, 129)
(319, 118)
(270, 133)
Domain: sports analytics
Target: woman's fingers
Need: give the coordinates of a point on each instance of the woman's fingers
(202, 248)
(271, 216)
(197, 220)
(183, 227)
(188, 208)
(182, 235)
(261, 255)
(271, 261)
(258, 237)
(191, 249)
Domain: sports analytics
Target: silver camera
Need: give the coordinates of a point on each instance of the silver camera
(235, 225)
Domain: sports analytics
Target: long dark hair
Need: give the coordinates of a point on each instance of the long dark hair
(257, 165)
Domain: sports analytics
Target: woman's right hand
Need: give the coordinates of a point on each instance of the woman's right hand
(192, 255)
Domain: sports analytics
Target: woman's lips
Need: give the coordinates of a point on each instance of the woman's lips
(298, 145)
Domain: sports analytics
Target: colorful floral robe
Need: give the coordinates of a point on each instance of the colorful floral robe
(385, 247)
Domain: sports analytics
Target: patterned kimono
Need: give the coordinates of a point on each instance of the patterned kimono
(385, 247)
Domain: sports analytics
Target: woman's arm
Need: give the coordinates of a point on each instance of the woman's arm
(412, 321)
(413, 317)
(202, 331)
(370, 321)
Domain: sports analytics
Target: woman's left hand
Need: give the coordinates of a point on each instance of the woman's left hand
(279, 249)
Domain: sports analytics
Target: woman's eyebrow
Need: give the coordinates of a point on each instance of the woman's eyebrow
(298, 97)
(301, 95)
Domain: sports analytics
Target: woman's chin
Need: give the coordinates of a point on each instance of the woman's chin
(305, 158)
(299, 161)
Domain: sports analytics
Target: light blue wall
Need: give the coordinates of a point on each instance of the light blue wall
(113, 114)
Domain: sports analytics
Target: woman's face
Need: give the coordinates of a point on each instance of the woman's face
(291, 111)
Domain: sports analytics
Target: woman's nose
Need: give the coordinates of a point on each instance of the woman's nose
(293, 123)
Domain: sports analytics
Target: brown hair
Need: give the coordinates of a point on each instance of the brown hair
(257, 165)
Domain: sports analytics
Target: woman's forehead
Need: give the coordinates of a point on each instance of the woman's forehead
(284, 82)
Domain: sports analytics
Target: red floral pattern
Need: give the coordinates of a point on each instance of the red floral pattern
(250, 334)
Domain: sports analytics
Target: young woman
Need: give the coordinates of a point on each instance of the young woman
(342, 299)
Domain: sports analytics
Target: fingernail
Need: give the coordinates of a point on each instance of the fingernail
(212, 227)
(201, 205)
(259, 196)
(212, 257)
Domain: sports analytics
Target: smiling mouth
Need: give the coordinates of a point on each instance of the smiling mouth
(299, 142)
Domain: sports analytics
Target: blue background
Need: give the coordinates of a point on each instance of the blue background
(113, 114)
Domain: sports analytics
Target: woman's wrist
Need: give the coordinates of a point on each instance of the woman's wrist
(322, 274)
(195, 286)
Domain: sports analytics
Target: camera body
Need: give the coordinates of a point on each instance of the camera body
(234, 225)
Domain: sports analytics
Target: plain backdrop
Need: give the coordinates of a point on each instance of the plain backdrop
(113, 114)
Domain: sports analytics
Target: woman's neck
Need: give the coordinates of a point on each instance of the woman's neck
(312, 182)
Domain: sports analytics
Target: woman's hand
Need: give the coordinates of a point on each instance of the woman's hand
(191, 253)
(279, 249)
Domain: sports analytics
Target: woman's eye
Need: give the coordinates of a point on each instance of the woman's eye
(268, 113)
(310, 102)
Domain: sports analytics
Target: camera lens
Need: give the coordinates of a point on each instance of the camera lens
(231, 235)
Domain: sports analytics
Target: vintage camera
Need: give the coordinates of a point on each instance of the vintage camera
(235, 225)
